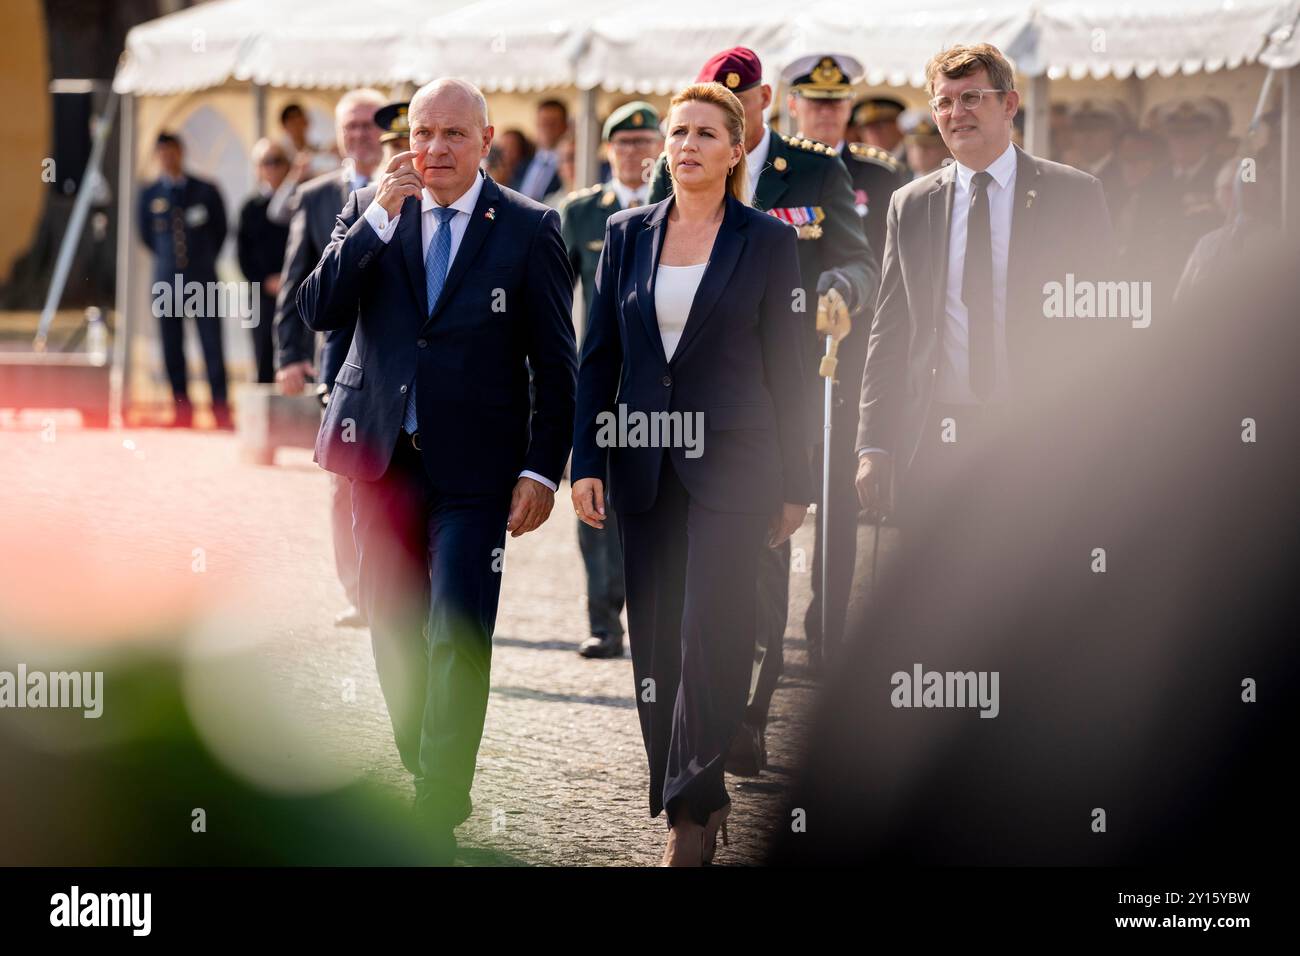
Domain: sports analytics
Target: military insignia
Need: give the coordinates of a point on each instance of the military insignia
(638, 119)
(862, 151)
(805, 219)
(827, 73)
(732, 80)
(596, 245)
(159, 205)
(861, 202)
(196, 216)
(609, 198)
(779, 164)
(1030, 197)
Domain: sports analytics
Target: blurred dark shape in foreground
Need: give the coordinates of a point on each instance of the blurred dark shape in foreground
(125, 795)
(1119, 690)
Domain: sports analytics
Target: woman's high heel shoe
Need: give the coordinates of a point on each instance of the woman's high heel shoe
(717, 821)
(687, 842)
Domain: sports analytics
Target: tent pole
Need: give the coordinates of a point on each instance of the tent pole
(1290, 133)
(259, 110)
(587, 141)
(119, 375)
(1037, 116)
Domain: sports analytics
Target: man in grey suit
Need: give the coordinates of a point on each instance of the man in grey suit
(315, 207)
(964, 330)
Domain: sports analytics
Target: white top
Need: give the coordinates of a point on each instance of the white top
(674, 292)
(953, 386)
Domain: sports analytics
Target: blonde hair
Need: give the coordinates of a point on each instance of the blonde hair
(724, 99)
(965, 59)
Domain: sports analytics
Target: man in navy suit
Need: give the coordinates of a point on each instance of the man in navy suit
(457, 287)
(182, 221)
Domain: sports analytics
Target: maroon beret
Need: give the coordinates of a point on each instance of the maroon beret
(738, 69)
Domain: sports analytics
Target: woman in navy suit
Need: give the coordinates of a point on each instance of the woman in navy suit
(690, 389)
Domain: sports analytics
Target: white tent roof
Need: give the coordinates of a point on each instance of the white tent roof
(634, 46)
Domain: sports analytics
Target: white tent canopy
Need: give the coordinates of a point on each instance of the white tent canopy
(631, 46)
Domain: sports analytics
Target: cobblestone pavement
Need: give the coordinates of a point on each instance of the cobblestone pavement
(561, 773)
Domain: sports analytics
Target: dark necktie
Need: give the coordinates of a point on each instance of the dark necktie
(977, 287)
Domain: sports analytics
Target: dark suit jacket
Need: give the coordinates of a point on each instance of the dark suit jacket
(315, 207)
(1063, 228)
(507, 301)
(522, 173)
(738, 362)
(260, 244)
(184, 230)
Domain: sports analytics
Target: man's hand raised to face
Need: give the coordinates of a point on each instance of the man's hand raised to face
(398, 181)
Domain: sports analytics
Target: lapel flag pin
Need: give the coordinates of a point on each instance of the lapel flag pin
(491, 213)
(1032, 194)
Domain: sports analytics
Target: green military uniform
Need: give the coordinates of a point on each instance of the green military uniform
(583, 215)
(582, 222)
(805, 183)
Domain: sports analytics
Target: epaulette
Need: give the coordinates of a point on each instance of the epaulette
(865, 153)
(810, 145)
(585, 192)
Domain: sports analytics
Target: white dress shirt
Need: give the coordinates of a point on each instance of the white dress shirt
(385, 227)
(953, 385)
(675, 288)
(756, 159)
(626, 194)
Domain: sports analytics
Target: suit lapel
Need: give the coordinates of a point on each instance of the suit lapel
(940, 211)
(772, 182)
(649, 243)
(475, 233)
(410, 239)
(727, 247)
(1024, 228)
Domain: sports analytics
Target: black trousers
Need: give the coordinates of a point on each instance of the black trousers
(602, 556)
(214, 358)
(691, 576)
(264, 341)
(429, 579)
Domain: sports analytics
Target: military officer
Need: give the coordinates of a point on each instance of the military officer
(1096, 126)
(804, 183)
(1176, 206)
(633, 141)
(182, 221)
(821, 92)
(396, 135)
(924, 146)
(875, 119)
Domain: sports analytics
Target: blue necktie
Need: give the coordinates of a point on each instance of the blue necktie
(436, 261)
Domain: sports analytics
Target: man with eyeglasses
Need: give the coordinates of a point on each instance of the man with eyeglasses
(962, 337)
(633, 140)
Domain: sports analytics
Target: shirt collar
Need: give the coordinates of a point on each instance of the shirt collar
(466, 203)
(1001, 169)
(626, 194)
(757, 157)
